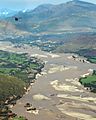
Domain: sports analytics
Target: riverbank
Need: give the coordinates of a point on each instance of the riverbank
(17, 73)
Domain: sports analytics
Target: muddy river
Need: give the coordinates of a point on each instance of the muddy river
(56, 93)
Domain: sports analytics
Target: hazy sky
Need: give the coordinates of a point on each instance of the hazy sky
(30, 4)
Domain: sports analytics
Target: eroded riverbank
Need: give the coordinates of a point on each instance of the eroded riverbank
(57, 93)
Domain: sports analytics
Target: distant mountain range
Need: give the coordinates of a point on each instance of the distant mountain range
(71, 17)
(4, 13)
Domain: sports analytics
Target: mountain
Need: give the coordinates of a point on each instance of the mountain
(72, 16)
(73, 24)
(9, 31)
(4, 13)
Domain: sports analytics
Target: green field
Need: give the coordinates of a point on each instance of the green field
(92, 59)
(18, 65)
(19, 118)
(89, 82)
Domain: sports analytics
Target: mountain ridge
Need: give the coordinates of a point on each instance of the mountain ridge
(49, 17)
(50, 22)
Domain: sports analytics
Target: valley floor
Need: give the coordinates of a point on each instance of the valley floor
(57, 93)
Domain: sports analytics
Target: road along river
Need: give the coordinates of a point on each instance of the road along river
(56, 93)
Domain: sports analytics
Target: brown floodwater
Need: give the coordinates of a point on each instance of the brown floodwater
(57, 94)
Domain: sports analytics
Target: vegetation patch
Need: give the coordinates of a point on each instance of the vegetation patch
(89, 82)
(16, 73)
(19, 118)
(92, 59)
(19, 65)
